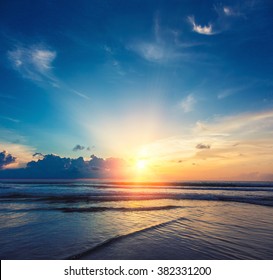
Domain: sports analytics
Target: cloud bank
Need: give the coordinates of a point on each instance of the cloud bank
(56, 167)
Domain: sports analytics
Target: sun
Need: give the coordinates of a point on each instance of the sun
(141, 164)
(143, 170)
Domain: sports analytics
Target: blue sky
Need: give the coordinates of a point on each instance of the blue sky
(139, 80)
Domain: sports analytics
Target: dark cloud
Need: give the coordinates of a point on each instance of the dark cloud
(96, 162)
(40, 155)
(6, 159)
(202, 146)
(78, 148)
(55, 167)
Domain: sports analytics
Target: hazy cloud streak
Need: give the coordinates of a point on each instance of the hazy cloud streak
(187, 104)
(34, 62)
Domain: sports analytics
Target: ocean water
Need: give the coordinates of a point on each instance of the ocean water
(93, 220)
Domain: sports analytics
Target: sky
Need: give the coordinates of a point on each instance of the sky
(136, 90)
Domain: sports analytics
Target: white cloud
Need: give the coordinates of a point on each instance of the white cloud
(227, 11)
(187, 104)
(42, 59)
(205, 30)
(34, 62)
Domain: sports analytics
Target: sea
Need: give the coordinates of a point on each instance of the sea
(85, 219)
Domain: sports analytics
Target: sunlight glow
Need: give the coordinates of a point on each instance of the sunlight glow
(141, 164)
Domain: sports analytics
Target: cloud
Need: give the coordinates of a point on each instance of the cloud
(159, 48)
(150, 51)
(224, 93)
(78, 148)
(227, 11)
(157, 28)
(80, 94)
(38, 155)
(55, 167)
(187, 104)
(23, 153)
(114, 163)
(42, 59)
(33, 62)
(96, 161)
(114, 63)
(6, 159)
(10, 119)
(249, 123)
(242, 141)
(226, 16)
(202, 146)
(205, 30)
(227, 93)
(164, 46)
(108, 49)
(117, 66)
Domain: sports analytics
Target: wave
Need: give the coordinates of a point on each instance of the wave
(91, 183)
(120, 209)
(75, 198)
(265, 200)
(120, 237)
(98, 209)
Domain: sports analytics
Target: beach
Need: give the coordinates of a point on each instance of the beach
(86, 220)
